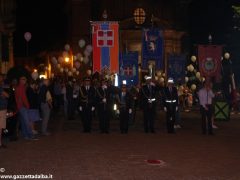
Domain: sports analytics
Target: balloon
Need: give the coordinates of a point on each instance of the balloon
(161, 79)
(77, 73)
(191, 68)
(66, 69)
(35, 75)
(70, 73)
(226, 55)
(89, 48)
(193, 87)
(60, 59)
(193, 58)
(150, 66)
(203, 79)
(198, 75)
(65, 53)
(74, 70)
(67, 47)
(61, 70)
(159, 73)
(156, 78)
(163, 74)
(186, 79)
(77, 64)
(79, 56)
(54, 60)
(81, 43)
(86, 53)
(89, 72)
(58, 66)
(75, 58)
(85, 60)
(27, 36)
(52, 75)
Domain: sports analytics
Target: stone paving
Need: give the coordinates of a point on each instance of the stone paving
(72, 155)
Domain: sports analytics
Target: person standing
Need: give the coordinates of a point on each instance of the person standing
(87, 104)
(170, 105)
(103, 98)
(23, 107)
(124, 108)
(3, 109)
(206, 96)
(148, 100)
(45, 105)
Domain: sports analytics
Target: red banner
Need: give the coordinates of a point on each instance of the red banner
(209, 57)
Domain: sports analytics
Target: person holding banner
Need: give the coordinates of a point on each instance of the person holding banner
(148, 102)
(170, 105)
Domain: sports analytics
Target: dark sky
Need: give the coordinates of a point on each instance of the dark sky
(47, 21)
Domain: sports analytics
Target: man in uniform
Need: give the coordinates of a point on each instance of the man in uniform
(87, 104)
(170, 104)
(124, 108)
(104, 99)
(148, 103)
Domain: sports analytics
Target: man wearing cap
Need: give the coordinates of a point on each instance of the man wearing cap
(124, 108)
(170, 104)
(148, 102)
(103, 98)
(87, 104)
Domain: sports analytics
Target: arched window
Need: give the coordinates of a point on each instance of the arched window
(139, 16)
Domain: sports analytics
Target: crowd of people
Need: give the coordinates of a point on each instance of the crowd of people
(24, 102)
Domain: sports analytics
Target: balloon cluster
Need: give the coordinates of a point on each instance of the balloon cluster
(77, 60)
(193, 77)
(160, 77)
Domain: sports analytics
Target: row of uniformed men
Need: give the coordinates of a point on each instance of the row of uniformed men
(104, 98)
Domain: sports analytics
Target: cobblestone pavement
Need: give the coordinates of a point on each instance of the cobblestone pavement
(70, 154)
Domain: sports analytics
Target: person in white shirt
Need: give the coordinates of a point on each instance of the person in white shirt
(206, 96)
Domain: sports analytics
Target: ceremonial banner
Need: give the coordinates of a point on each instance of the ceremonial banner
(129, 68)
(152, 48)
(209, 57)
(176, 67)
(105, 46)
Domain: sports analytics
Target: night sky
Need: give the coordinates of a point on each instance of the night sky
(47, 21)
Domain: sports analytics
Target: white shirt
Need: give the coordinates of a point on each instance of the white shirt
(205, 97)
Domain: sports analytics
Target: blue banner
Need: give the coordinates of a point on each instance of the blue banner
(128, 69)
(176, 67)
(152, 48)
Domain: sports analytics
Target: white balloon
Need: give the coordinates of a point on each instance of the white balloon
(61, 70)
(89, 72)
(75, 58)
(60, 59)
(77, 73)
(74, 70)
(67, 47)
(156, 78)
(27, 36)
(226, 55)
(86, 53)
(77, 64)
(161, 79)
(193, 87)
(81, 43)
(35, 75)
(54, 60)
(66, 69)
(70, 73)
(79, 56)
(198, 75)
(193, 58)
(85, 60)
(159, 73)
(191, 68)
(89, 48)
(186, 79)
(58, 66)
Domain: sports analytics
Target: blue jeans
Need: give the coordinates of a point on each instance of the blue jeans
(25, 123)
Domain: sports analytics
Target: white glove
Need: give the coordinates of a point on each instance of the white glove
(80, 108)
(117, 111)
(93, 108)
(176, 108)
(130, 111)
(150, 101)
(165, 109)
(104, 100)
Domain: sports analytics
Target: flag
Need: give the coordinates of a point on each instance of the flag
(105, 46)
(129, 68)
(152, 48)
(209, 57)
(176, 67)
